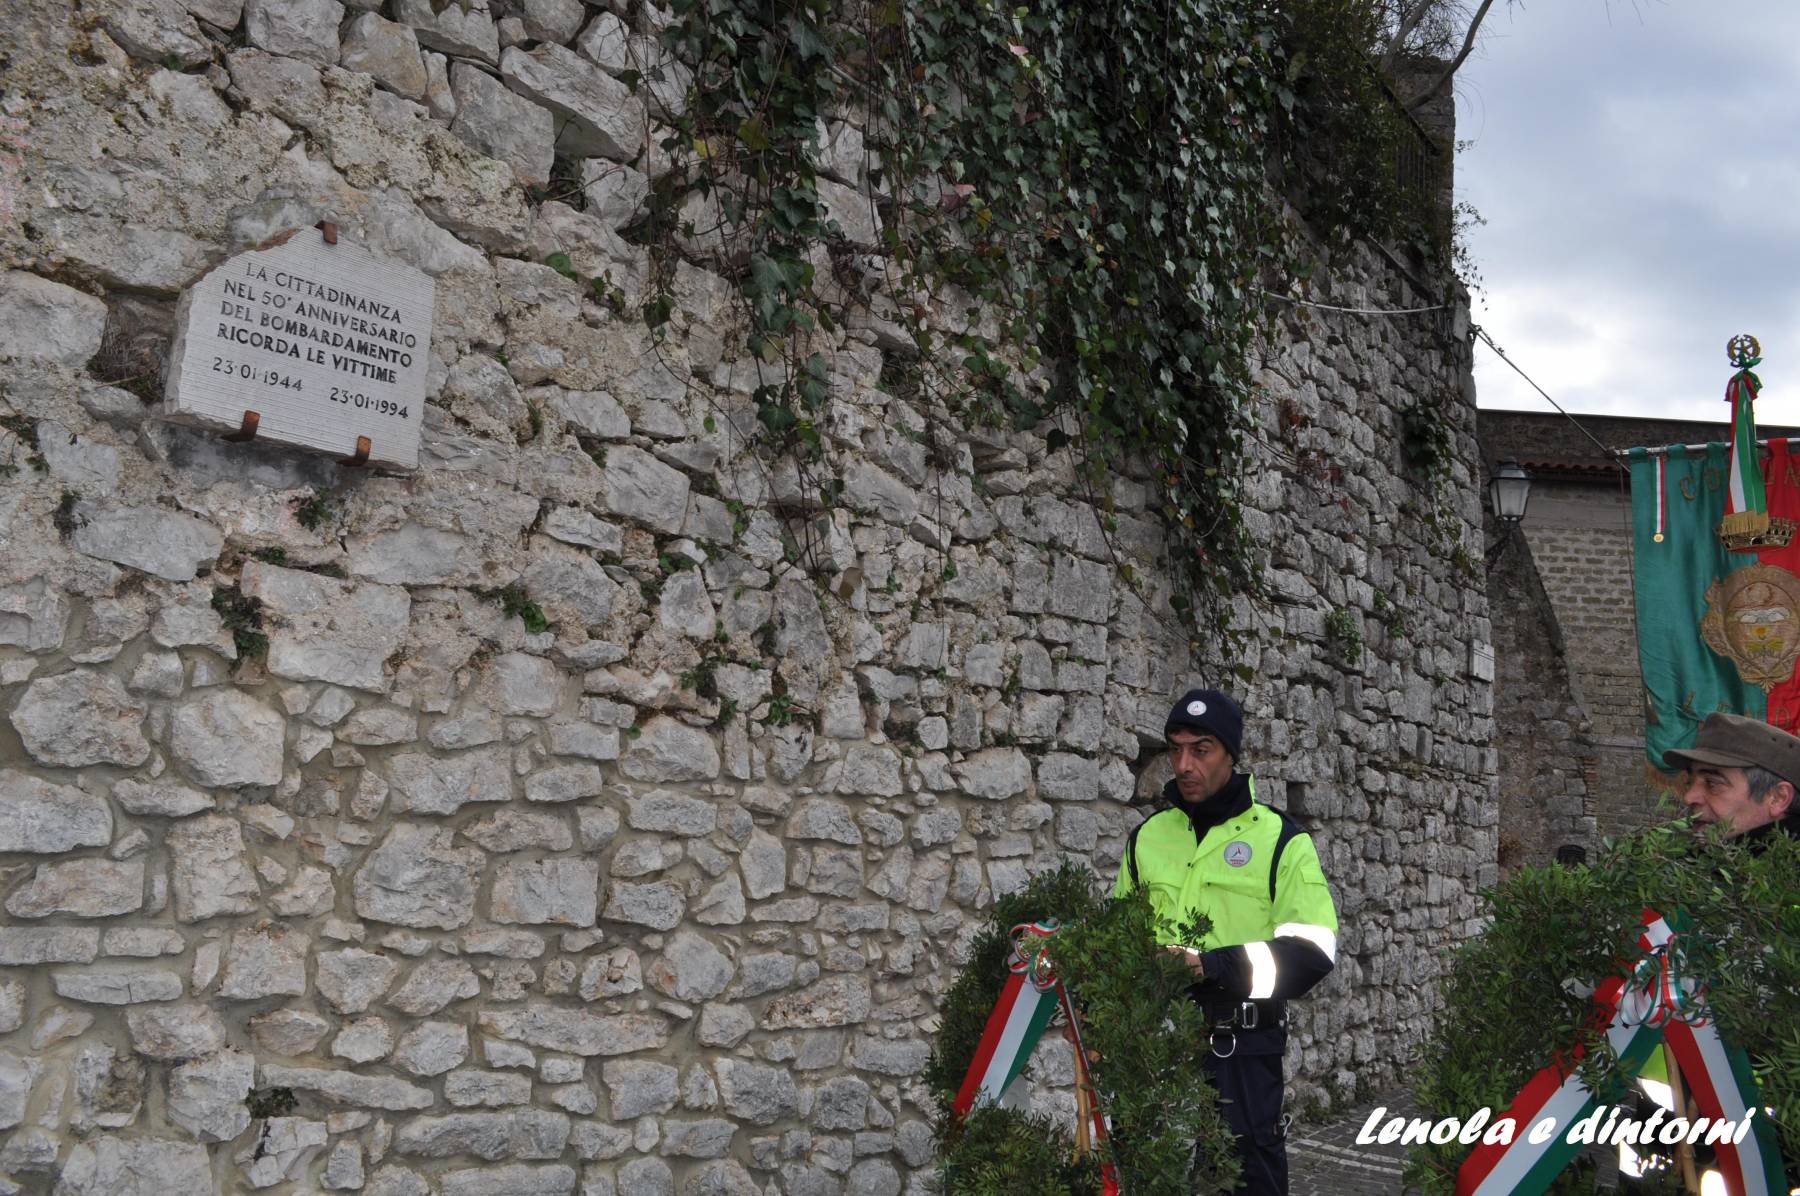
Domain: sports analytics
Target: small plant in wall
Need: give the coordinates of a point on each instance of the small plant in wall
(1344, 633)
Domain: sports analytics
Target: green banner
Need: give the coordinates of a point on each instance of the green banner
(1677, 501)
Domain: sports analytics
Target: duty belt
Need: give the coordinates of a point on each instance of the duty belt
(1246, 1016)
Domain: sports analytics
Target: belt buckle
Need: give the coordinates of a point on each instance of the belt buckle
(1248, 1015)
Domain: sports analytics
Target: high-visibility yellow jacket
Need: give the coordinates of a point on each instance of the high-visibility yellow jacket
(1255, 875)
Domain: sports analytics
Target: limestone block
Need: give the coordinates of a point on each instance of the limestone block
(433, 985)
(25, 946)
(432, 1048)
(502, 124)
(44, 818)
(685, 608)
(428, 784)
(639, 1087)
(615, 193)
(823, 818)
(552, 891)
(227, 738)
(206, 1096)
(571, 586)
(32, 614)
(607, 42)
(284, 1150)
(614, 974)
(671, 813)
(576, 1032)
(117, 985)
(604, 117)
(348, 1088)
(834, 1001)
(994, 773)
(305, 29)
(659, 906)
(515, 830)
(642, 488)
(516, 683)
(165, 543)
(81, 717)
(691, 968)
(322, 629)
(287, 87)
(288, 1032)
(18, 1076)
(80, 888)
(212, 874)
(388, 51)
(568, 782)
(175, 1033)
(418, 877)
(158, 31)
(553, 20)
(466, 32)
(264, 962)
(757, 1094)
(708, 1138)
(667, 750)
(109, 1166)
(595, 250)
(353, 979)
(109, 1088)
(520, 1134)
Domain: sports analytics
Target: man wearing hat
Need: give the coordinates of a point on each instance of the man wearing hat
(1255, 875)
(1742, 774)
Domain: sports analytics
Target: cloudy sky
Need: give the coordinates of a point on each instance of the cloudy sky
(1638, 167)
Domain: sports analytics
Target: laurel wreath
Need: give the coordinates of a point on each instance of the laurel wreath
(1147, 1042)
(1520, 995)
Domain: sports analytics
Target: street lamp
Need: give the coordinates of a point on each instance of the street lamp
(1509, 489)
(1508, 492)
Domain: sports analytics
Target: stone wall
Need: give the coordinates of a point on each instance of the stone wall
(1542, 734)
(1567, 625)
(406, 898)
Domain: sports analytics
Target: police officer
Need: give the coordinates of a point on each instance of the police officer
(1255, 875)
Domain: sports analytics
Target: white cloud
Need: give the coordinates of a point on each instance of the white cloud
(1639, 172)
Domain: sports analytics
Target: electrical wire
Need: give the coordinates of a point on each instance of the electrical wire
(1355, 311)
(1612, 458)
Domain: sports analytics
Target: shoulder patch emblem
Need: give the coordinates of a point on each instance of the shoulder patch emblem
(1237, 853)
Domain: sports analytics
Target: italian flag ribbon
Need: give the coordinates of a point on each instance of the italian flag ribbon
(1030, 998)
(1746, 508)
(1656, 1006)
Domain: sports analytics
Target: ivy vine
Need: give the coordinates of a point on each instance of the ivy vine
(1076, 217)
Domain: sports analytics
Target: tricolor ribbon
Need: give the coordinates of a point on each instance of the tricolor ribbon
(1031, 996)
(1662, 498)
(1656, 1005)
(1746, 506)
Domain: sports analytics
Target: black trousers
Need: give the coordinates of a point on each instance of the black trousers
(1249, 1083)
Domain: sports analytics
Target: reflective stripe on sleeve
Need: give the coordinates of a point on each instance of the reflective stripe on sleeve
(1262, 970)
(1325, 940)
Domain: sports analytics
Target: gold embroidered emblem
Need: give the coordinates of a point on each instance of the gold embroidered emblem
(1753, 620)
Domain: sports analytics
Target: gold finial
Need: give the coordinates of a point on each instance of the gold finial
(1743, 350)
